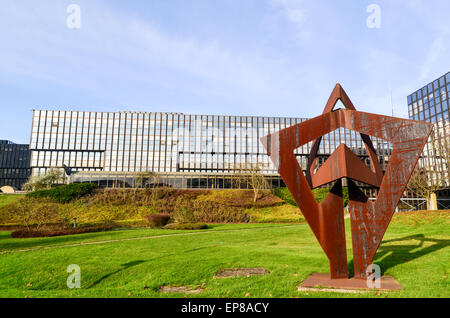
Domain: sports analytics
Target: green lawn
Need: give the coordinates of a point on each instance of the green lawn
(135, 263)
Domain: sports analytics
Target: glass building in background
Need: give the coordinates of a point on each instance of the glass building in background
(431, 103)
(14, 164)
(186, 151)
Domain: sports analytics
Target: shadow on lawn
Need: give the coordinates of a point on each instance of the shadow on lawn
(389, 256)
(24, 243)
(134, 263)
(124, 266)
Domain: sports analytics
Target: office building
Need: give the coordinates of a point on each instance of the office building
(186, 151)
(431, 103)
(14, 164)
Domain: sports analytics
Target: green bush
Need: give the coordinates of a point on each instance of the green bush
(319, 194)
(284, 194)
(64, 193)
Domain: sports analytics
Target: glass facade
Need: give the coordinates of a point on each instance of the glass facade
(14, 164)
(431, 103)
(168, 143)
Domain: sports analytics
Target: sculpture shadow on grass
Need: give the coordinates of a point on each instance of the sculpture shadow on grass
(124, 267)
(389, 256)
(24, 243)
(138, 262)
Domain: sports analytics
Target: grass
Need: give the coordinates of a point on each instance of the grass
(6, 199)
(415, 250)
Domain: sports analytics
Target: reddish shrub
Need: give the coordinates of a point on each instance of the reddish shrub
(186, 226)
(32, 233)
(157, 220)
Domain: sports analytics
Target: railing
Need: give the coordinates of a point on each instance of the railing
(410, 204)
(443, 203)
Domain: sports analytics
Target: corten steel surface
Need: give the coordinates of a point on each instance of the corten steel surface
(369, 220)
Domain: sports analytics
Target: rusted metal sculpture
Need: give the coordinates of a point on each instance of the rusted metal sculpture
(369, 220)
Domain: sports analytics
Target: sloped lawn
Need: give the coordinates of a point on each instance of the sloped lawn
(136, 263)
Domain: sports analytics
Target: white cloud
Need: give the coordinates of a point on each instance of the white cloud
(436, 54)
(115, 56)
(296, 13)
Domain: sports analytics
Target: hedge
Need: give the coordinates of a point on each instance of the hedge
(65, 193)
(319, 194)
(157, 220)
(186, 226)
(29, 234)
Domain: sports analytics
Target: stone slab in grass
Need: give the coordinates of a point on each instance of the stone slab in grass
(180, 289)
(323, 282)
(239, 272)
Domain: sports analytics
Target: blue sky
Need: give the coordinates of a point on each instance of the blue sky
(233, 57)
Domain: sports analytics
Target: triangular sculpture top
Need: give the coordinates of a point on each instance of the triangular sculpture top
(314, 182)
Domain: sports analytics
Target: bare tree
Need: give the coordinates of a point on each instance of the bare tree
(144, 178)
(422, 185)
(432, 172)
(250, 176)
(52, 177)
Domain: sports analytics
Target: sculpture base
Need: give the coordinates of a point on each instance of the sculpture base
(323, 282)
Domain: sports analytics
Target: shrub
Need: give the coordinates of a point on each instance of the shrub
(208, 212)
(31, 212)
(184, 214)
(157, 220)
(285, 195)
(37, 233)
(107, 214)
(319, 195)
(240, 198)
(65, 193)
(194, 211)
(186, 226)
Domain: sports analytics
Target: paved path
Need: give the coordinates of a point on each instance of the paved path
(144, 238)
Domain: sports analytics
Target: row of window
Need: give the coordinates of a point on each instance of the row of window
(430, 88)
(15, 173)
(207, 147)
(13, 182)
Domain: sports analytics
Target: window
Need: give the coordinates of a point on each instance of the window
(432, 111)
(436, 84)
